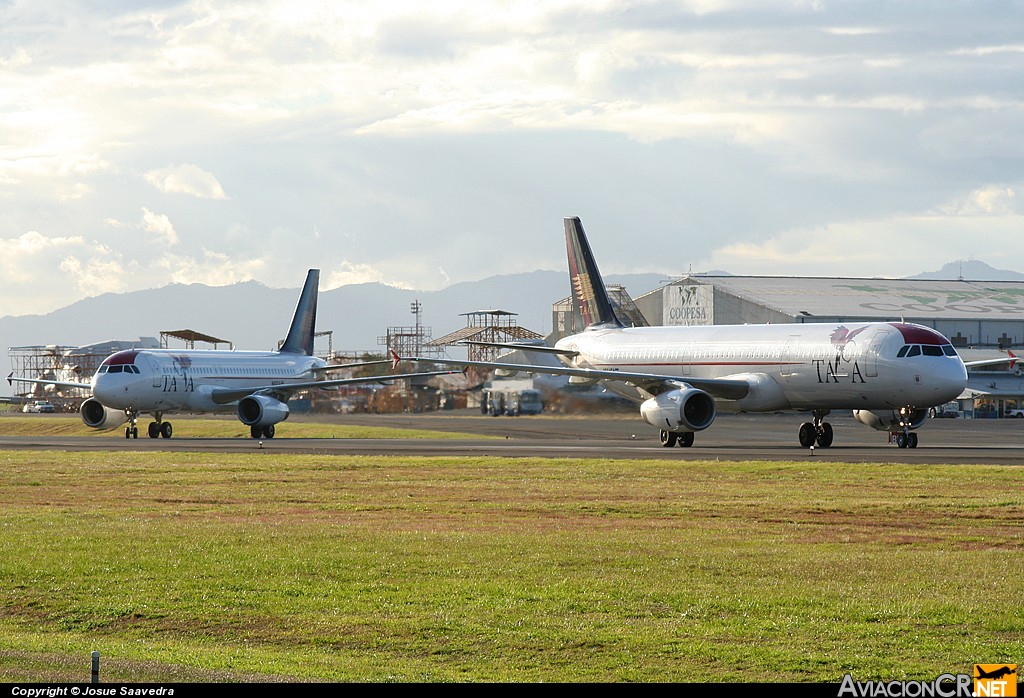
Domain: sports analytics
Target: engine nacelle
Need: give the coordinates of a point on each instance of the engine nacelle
(97, 416)
(261, 411)
(680, 410)
(890, 420)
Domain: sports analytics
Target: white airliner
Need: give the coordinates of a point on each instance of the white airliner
(888, 373)
(254, 384)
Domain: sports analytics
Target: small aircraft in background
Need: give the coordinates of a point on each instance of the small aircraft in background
(887, 373)
(256, 385)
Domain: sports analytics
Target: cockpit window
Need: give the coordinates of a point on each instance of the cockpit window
(114, 369)
(908, 350)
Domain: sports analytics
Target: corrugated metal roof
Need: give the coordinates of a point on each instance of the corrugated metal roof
(815, 296)
(486, 333)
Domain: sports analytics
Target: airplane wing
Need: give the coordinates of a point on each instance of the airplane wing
(340, 367)
(222, 396)
(1011, 358)
(11, 378)
(540, 348)
(651, 382)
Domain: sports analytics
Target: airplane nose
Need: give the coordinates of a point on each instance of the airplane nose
(101, 389)
(110, 392)
(947, 378)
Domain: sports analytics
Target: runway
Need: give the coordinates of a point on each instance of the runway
(730, 438)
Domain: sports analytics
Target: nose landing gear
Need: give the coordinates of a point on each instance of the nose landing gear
(905, 438)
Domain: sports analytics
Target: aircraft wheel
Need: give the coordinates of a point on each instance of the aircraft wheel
(256, 432)
(668, 438)
(807, 434)
(135, 432)
(902, 440)
(824, 435)
(165, 430)
(127, 432)
(268, 432)
(911, 440)
(154, 430)
(686, 439)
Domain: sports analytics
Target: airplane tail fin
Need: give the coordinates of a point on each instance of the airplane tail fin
(303, 328)
(588, 288)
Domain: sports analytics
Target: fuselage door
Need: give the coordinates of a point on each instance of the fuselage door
(871, 353)
(154, 368)
(788, 365)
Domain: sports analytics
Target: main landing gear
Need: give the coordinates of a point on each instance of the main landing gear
(817, 431)
(156, 429)
(671, 438)
(266, 432)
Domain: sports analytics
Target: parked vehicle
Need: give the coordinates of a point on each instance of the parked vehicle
(1015, 413)
(40, 406)
(511, 402)
(948, 411)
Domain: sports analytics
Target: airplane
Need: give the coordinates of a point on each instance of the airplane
(887, 373)
(999, 673)
(256, 385)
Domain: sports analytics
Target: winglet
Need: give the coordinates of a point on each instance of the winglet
(303, 327)
(395, 358)
(1013, 359)
(9, 381)
(587, 285)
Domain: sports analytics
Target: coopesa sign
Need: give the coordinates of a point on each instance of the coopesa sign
(689, 305)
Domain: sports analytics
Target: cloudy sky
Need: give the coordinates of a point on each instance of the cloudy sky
(424, 143)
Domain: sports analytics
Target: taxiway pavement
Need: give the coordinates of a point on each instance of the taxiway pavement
(730, 438)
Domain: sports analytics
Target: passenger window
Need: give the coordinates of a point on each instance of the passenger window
(914, 351)
(902, 352)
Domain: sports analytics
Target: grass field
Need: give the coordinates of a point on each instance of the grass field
(262, 567)
(206, 427)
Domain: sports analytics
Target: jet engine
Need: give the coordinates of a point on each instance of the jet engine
(261, 410)
(688, 409)
(889, 420)
(95, 415)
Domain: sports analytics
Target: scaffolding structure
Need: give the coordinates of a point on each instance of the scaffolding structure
(64, 364)
(567, 319)
(411, 341)
(485, 326)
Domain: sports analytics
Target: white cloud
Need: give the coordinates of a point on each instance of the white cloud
(41, 273)
(159, 224)
(96, 275)
(890, 248)
(347, 273)
(186, 179)
(990, 200)
(208, 267)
